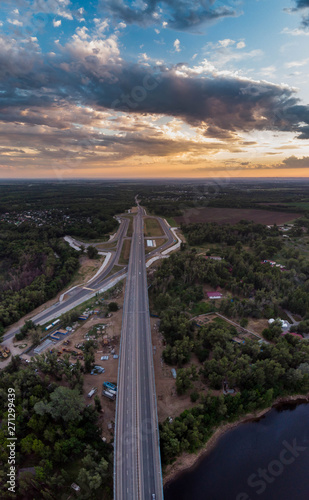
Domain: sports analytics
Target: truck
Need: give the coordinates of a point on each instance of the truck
(109, 395)
(92, 392)
(109, 386)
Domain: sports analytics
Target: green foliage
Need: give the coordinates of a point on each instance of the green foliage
(302, 327)
(40, 265)
(179, 353)
(92, 252)
(257, 373)
(244, 322)
(273, 332)
(194, 396)
(89, 357)
(35, 262)
(244, 232)
(56, 434)
(113, 307)
(260, 376)
(65, 404)
(97, 403)
(184, 379)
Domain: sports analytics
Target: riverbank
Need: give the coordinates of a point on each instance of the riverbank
(188, 461)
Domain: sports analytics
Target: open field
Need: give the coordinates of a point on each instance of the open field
(234, 215)
(152, 228)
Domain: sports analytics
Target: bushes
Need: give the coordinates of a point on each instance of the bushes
(92, 252)
(113, 307)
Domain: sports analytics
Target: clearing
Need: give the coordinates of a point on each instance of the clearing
(152, 227)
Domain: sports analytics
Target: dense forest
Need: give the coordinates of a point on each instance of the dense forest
(58, 438)
(34, 266)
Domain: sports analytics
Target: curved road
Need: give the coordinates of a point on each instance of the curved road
(81, 293)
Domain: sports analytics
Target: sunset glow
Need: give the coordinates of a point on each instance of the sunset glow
(121, 89)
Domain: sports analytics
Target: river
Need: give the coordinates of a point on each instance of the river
(266, 459)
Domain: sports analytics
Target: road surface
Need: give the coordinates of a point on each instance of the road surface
(137, 467)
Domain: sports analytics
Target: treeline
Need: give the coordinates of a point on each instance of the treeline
(57, 436)
(266, 242)
(34, 266)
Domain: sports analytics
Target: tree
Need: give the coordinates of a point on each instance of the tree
(194, 396)
(35, 336)
(66, 404)
(92, 252)
(243, 322)
(97, 403)
(89, 360)
(273, 332)
(113, 307)
(184, 379)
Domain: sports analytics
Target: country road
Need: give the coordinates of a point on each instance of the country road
(137, 467)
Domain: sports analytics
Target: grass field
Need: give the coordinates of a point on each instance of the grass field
(234, 215)
(171, 221)
(152, 228)
(125, 252)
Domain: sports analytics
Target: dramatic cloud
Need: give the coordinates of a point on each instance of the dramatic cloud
(91, 73)
(176, 14)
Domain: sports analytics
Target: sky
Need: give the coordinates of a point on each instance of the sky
(150, 88)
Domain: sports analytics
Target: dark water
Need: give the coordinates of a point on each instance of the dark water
(264, 460)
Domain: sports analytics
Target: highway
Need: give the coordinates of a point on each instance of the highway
(137, 467)
(83, 292)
